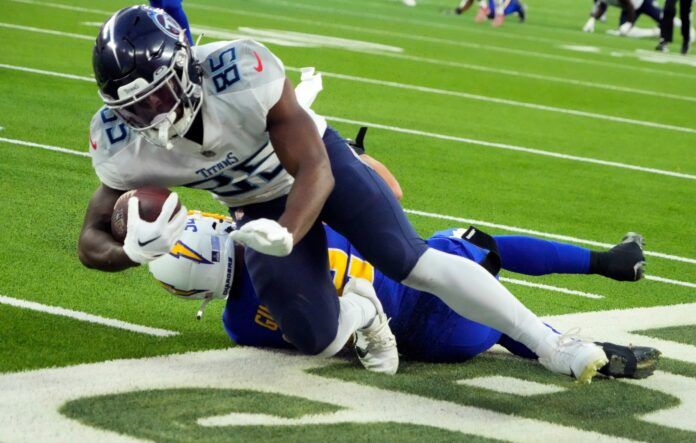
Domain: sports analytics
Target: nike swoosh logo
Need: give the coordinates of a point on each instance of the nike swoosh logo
(259, 63)
(141, 244)
(94, 144)
(362, 353)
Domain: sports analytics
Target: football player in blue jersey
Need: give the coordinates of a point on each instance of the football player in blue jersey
(495, 10)
(206, 264)
(224, 117)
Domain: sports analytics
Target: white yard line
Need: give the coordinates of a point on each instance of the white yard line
(13, 141)
(66, 7)
(515, 281)
(83, 316)
(433, 135)
(507, 102)
(425, 89)
(31, 400)
(565, 238)
(469, 66)
(46, 31)
(452, 42)
(514, 148)
(670, 281)
(44, 72)
(447, 217)
(441, 91)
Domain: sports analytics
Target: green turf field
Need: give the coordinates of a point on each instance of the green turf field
(533, 128)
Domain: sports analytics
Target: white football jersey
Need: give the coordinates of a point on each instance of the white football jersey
(242, 81)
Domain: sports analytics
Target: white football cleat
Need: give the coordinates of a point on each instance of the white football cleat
(575, 357)
(374, 345)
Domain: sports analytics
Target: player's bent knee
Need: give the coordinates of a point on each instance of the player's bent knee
(309, 334)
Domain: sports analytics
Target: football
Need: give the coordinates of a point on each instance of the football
(151, 199)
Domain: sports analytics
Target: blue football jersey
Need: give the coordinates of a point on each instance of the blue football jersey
(248, 322)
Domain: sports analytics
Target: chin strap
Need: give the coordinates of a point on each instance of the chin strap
(201, 310)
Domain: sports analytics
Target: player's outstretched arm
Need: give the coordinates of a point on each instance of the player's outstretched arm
(96, 247)
(301, 151)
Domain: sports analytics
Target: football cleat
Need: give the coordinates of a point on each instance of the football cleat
(662, 46)
(629, 361)
(375, 345)
(522, 13)
(685, 47)
(623, 262)
(575, 357)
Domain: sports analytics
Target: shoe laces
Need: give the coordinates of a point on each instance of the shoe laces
(570, 337)
(379, 339)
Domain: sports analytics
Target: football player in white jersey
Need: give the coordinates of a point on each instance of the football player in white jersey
(224, 118)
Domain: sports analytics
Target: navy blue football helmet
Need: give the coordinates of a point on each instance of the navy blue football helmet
(147, 74)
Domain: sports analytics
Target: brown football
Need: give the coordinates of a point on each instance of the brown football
(150, 201)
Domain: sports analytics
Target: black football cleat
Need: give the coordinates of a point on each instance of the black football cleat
(662, 46)
(685, 47)
(522, 13)
(623, 262)
(629, 361)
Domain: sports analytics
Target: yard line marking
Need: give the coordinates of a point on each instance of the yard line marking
(46, 31)
(457, 43)
(66, 7)
(382, 17)
(513, 73)
(43, 72)
(564, 238)
(513, 148)
(46, 147)
(450, 42)
(451, 218)
(508, 102)
(669, 280)
(469, 66)
(515, 281)
(83, 316)
(435, 135)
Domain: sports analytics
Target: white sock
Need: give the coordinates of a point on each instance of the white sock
(355, 313)
(473, 293)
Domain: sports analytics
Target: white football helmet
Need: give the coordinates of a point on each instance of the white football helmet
(200, 265)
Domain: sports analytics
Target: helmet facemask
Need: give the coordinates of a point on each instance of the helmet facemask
(165, 108)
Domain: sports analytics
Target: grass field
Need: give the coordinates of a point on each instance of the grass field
(533, 128)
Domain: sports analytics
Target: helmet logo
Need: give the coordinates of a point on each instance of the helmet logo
(163, 21)
(182, 250)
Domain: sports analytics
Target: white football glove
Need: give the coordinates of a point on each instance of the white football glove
(589, 25)
(145, 241)
(265, 236)
(625, 28)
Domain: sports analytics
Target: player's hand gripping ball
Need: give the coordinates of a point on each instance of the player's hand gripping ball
(148, 221)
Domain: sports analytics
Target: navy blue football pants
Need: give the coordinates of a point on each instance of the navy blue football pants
(298, 289)
(647, 8)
